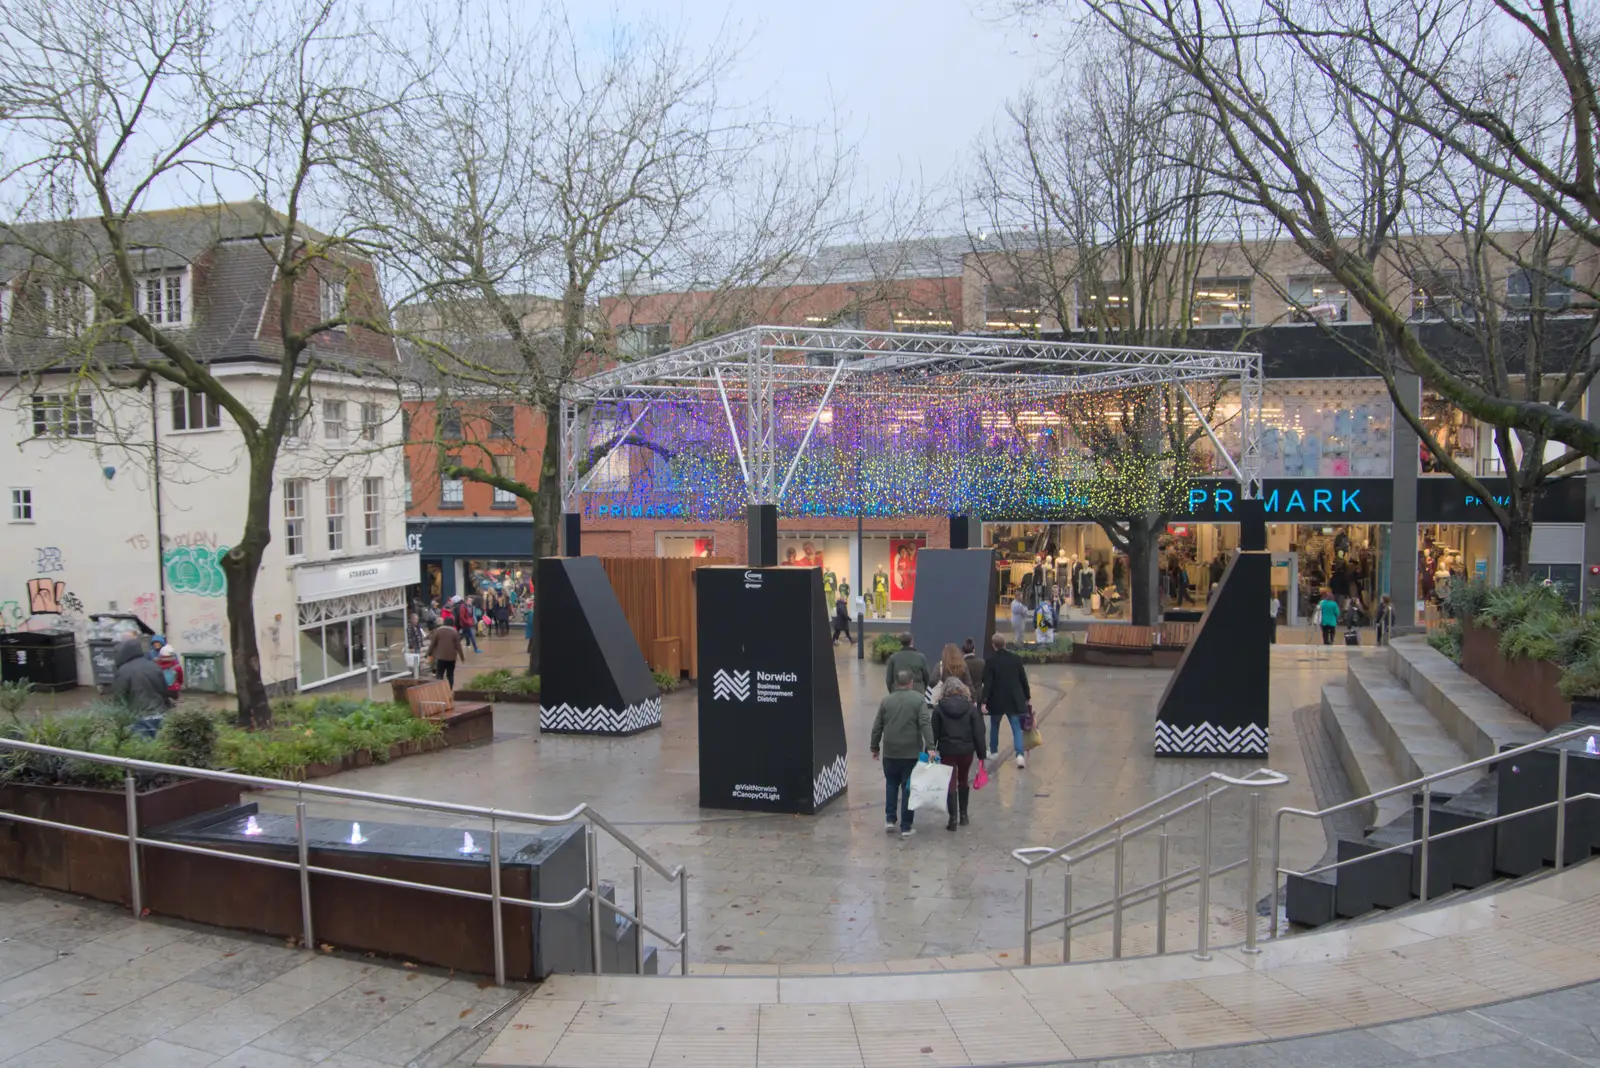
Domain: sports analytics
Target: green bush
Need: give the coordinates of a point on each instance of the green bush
(1466, 599)
(103, 727)
(523, 684)
(1447, 639)
(490, 681)
(190, 736)
(666, 683)
(319, 731)
(1045, 654)
(13, 696)
(1504, 606)
(1581, 677)
(883, 647)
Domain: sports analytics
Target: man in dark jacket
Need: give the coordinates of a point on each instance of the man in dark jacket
(1005, 693)
(444, 645)
(907, 659)
(969, 653)
(958, 735)
(138, 683)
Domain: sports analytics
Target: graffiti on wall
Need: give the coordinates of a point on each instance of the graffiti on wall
(203, 632)
(45, 596)
(11, 613)
(146, 608)
(196, 569)
(48, 560)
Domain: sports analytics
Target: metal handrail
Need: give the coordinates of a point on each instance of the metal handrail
(1121, 833)
(1426, 837)
(590, 893)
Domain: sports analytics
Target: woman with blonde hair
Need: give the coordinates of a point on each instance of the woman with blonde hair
(952, 665)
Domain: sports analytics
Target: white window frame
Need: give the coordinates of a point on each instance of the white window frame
(372, 512)
(7, 303)
(1522, 300)
(337, 499)
(182, 404)
(334, 429)
(1309, 283)
(294, 517)
(371, 420)
(642, 340)
(452, 491)
(55, 328)
(22, 505)
(73, 415)
(1209, 294)
(406, 469)
(166, 280)
(331, 294)
(502, 498)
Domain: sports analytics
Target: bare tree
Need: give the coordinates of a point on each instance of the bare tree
(1088, 214)
(540, 165)
(108, 111)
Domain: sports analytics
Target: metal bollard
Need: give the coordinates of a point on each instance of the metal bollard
(595, 904)
(1561, 808)
(494, 903)
(1251, 886)
(305, 874)
(1427, 819)
(135, 880)
(1203, 951)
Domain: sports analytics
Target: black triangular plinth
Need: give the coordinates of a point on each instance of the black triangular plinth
(593, 678)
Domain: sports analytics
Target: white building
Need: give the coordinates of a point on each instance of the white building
(121, 496)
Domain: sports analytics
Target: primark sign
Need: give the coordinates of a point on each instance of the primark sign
(1298, 500)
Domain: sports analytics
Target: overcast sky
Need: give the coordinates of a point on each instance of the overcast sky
(913, 81)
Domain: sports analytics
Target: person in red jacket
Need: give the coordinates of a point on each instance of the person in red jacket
(172, 671)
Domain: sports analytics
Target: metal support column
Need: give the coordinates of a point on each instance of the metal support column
(135, 880)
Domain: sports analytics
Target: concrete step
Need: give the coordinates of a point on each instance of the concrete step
(1411, 736)
(1471, 713)
(1363, 755)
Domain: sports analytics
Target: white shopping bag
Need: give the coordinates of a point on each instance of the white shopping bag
(929, 784)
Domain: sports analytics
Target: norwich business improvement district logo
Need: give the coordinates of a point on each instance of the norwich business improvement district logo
(730, 685)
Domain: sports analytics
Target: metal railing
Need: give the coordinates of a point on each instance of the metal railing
(591, 893)
(1426, 838)
(1116, 835)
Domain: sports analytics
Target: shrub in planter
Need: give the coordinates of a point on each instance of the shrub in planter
(1447, 639)
(665, 682)
(190, 736)
(527, 685)
(883, 647)
(495, 681)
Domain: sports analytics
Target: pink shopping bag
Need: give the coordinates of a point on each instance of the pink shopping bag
(980, 780)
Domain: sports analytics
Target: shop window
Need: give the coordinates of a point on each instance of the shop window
(193, 410)
(1550, 289)
(63, 415)
(294, 517)
(1318, 300)
(1221, 302)
(1012, 307)
(336, 505)
(1455, 431)
(505, 467)
(1103, 306)
(372, 512)
(1323, 428)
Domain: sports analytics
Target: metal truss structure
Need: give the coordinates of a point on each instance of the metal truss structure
(747, 369)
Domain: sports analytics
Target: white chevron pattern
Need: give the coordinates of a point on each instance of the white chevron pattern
(1205, 739)
(570, 719)
(730, 685)
(829, 781)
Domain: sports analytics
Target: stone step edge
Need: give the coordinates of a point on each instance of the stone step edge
(1365, 761)
(1417, 748)
(1439, 686)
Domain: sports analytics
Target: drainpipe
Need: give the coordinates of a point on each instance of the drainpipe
(155, 442)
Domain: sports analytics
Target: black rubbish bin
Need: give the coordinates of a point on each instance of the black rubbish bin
(46, 658)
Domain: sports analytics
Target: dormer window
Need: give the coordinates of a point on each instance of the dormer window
(164, 297)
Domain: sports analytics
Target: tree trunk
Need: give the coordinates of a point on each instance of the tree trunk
(1517, 538)
(546, 515)
(242, 565)
(1142, 598)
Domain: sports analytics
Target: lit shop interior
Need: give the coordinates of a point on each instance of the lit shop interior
(1314, 428)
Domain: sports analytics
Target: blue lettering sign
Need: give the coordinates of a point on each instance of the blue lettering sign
(1272, 502)
(1348, 502)
(1295, 501)
(1224, 500)
(1322, 500)
(1197, 497)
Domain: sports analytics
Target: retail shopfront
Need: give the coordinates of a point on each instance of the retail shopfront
(465, 556)
(351, 617)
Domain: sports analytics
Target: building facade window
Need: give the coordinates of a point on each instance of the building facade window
(193, 410)
(371, 421)
(68, 309)
(644, 339)
(406, 468)
(331, 294)
(372, 512)
(164, 297)
(450, 424)
(58, 415)
(452, 491)
(1437, 295)
(1221, 302)
(1012, 307)
(1318, 300)
(502, 421)
(336, 503)
(21, 504)
(505, 467)
(294, 516)
(1103, 306)
(1550, 289)
(333, 427)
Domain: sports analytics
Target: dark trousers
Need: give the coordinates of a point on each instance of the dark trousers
(959, 790)
(445, 669)
(1274, 631)
(841, 625)
(897, 790)
(1327, 634)
(469, 636)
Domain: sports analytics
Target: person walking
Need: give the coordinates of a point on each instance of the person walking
(465, 625)
(1019, 619)
(958, 736)
(969, 653)
(1274, 617)
(1385, 620)
(1328, 615)
(445, 647)
(172, 671)
(138, 683)
(901, 732)
(907, 658)
(841, 619)
(1006, 693)
(952, 665)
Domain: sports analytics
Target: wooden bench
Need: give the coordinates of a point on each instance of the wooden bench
(462, 721)
(1120, 636)
(1178, 635)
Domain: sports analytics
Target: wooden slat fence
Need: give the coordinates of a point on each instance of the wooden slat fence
(657, 597)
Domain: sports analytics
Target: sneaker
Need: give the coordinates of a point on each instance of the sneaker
(891, 826)
(1022, 761)
(908, 832)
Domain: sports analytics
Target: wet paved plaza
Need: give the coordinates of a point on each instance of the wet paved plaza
(834, 888)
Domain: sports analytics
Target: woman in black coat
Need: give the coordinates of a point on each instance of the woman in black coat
(958, 736)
